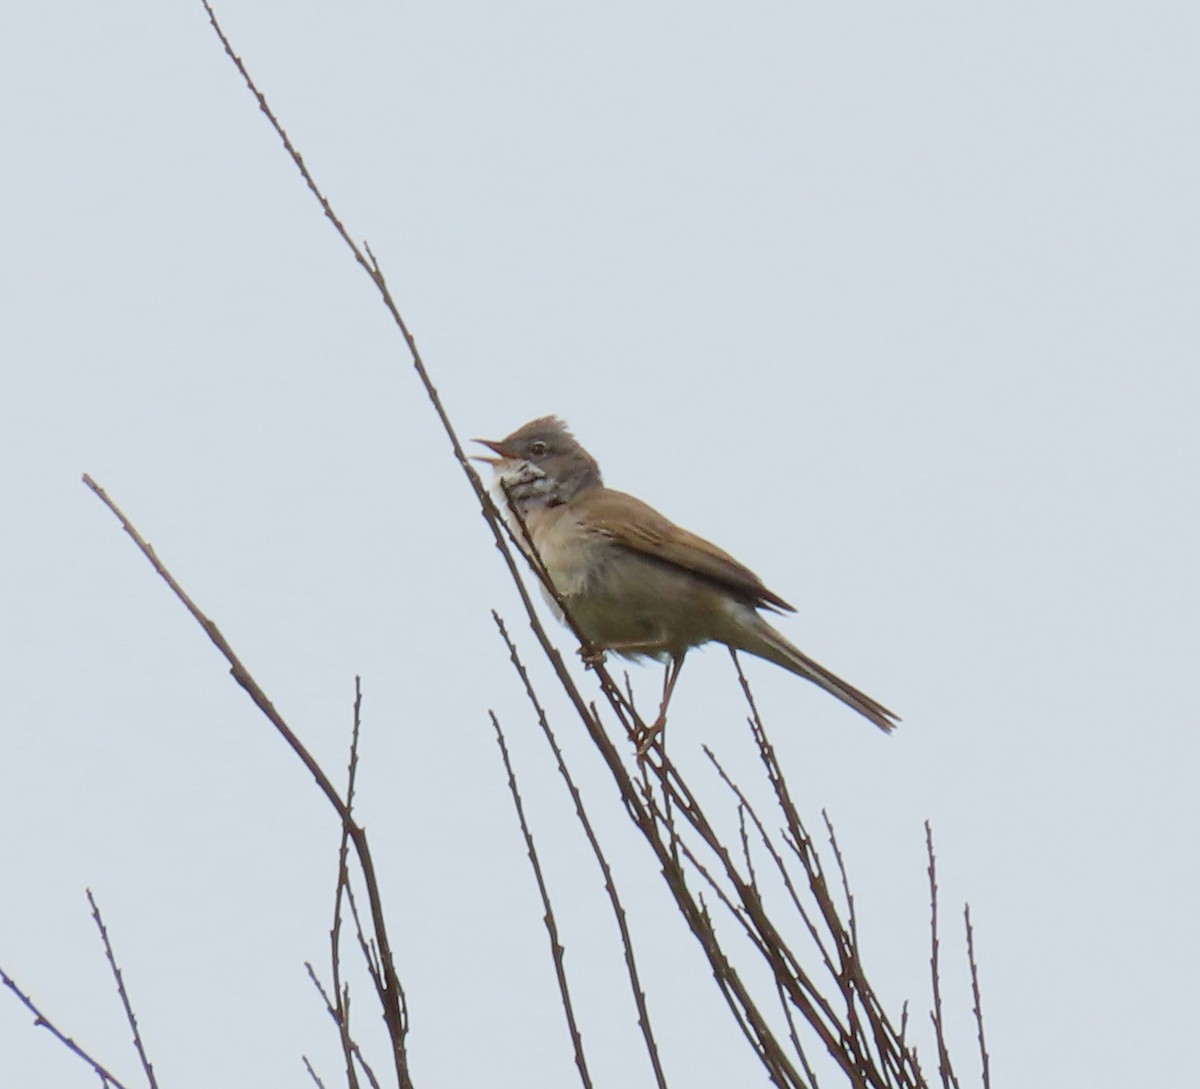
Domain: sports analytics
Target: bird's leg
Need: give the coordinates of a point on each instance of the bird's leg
(656, 729)
(670, 676)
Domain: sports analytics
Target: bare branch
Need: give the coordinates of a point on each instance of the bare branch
(40, 1020)
(147, 1067)
(944, 1067)
(341, 1011)
(336, 1009)
(312, 1073)
(851, 919)
(977, 1008)
(556, 948)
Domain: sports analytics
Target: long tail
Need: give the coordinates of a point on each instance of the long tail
(759, 638)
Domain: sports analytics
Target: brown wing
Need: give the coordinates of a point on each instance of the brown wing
(636, 525)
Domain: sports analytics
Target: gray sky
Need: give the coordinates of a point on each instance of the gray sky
(898, 306)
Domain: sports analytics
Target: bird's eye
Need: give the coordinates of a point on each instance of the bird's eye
(538, 448)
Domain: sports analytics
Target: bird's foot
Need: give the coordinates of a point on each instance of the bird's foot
(591, 657)
(651, 737)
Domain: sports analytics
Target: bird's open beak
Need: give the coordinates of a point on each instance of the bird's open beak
(498, 447)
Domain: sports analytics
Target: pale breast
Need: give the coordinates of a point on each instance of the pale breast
(566, 550)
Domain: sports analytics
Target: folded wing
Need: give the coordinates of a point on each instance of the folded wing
(638, 526)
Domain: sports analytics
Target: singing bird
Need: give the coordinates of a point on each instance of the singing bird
(633, 581)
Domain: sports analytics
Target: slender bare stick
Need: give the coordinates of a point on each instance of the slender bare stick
(369, 950)
(978, 1006)
(944, 1068)
(621, 703)
(851, 919)
(341, 1009)
(312, 1073)
(336, 1013)
(147, 1066)
(780, 865)
(794, 1036)
(392, 997)
(854, 973)
(556, 947)
(610, 887)
(40, 1020)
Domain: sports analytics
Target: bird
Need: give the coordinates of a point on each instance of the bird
(633, 582)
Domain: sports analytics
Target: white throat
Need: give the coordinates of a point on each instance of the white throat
(527, 485)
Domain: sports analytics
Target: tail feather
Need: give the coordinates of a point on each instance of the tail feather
(760, 639)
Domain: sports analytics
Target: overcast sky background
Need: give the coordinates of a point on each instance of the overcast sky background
(898, 305)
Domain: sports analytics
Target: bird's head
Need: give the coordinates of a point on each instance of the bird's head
(542, 461)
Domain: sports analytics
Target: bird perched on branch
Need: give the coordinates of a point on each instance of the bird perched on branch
(634, 582)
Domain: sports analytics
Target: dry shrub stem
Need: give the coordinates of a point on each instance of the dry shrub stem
(351, 1054)
(945, 1068)
(556, 946)
(336, 1015)
(118, 976)
(977, 1008)
(40, 1020)
(312, 1073)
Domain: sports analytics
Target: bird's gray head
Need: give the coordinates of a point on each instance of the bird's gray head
(542, 462)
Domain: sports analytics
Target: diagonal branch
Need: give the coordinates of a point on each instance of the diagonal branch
(392, 996)
(147, 1066)
(556, 947)
(40, 1020)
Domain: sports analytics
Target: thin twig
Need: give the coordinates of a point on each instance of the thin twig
(370, 950)
(944, 1067)
(522, 538)
(851, 919)
(40, 1020)
(556, 947)
(342, 1011)
(789, 1015)
(312, 1073)
(747, 1017)
(882, 1034)
(147, 1066)
(978, 1005)
(336, 1013)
